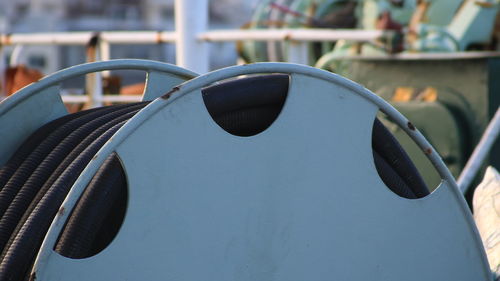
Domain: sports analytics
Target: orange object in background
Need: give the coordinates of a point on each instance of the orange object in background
(134, 89)
(20, 76)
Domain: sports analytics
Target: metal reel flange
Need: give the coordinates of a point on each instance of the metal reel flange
(39, 103)
(301, 200)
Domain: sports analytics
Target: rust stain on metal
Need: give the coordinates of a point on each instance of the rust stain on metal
(411, 126)
(7, 39)
(158, 37)
(205, 38)
(288, 36)
(428, 151)
(167, 95)
(95, 157)
(484, 4)
(94, 40)
(61, 211)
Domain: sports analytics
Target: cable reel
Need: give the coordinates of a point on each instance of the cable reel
(283, 174)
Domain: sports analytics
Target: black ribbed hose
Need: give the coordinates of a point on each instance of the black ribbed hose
(88, 228)
(32, 142)
(53, 165)
(386, 145)
(34, 159)
(19, 257)
(247, 106)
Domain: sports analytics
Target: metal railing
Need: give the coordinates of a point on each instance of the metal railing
(297, 50)
(106, 38)
(190, 38)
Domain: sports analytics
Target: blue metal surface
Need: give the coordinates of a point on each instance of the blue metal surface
(295, 202)
(39, 103)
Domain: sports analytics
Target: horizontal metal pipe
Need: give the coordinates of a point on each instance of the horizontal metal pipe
(155, 37)
(292, 34)
(82, 38)
(66, 38)
(139, 37)
(105, 98)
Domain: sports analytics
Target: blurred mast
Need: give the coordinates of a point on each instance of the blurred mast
(191, 19)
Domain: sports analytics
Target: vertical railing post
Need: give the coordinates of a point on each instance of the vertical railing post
(298, 52)
(104, 49)
(104, 54)
(93, 85)
(15, 57)
(191, 19)
(3, 73)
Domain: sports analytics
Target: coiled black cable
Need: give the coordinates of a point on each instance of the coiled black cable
(394, 160)
(53, 165)
(21, 253)
(247, 106)
(31, 143)
(88, 228)
(33, 160)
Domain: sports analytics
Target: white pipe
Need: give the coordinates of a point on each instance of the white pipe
(82, 38)
(105, 98)
(291, 34)
(105, 54)
(104, 50)
(191, 19)
(66, 38)
(16, 54)
(3, 73)
(139, 37)
(156, 37)
(480, 153)
(75, 98)
(298, 52)
(96, 98)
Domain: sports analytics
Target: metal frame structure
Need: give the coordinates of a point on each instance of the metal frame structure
(159, 37)
(337, 226)
(198, 59)
(191, 36)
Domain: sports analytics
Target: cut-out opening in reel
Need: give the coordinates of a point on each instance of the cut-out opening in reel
(122, 85)
(98, 214)
(394, 166)
(419, 158)
(248, 105)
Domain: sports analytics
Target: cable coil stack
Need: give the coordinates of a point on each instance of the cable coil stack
(222, 177)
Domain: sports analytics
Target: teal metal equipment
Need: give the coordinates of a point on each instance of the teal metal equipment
(473, 24)
(294, 14)
(465, 97)
(301, 200)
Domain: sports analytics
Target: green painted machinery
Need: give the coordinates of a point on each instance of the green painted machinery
(449, 91)
(450, 98)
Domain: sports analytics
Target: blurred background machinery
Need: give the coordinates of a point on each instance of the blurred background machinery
(438, 64)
